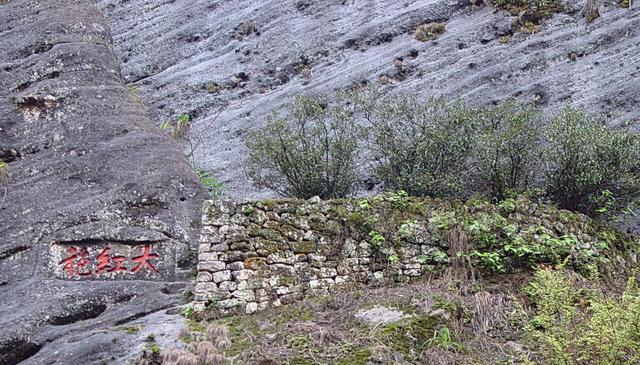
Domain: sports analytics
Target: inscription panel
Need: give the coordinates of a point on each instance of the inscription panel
(112, 261)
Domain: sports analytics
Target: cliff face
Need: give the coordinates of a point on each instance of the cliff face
(90, 169)
(230, 63)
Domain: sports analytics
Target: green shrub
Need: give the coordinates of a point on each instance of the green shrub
(578, 326)
(529, 7)
(310, 152)
(589, 163)
(442, 149)
(213, 185)
(423, 148)
(507, 149)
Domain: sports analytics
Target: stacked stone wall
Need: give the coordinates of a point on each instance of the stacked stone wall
(256, 255)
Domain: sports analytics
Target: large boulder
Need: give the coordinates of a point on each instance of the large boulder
(89, 171)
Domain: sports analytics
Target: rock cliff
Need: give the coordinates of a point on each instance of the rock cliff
(228, 64)
(87, 166)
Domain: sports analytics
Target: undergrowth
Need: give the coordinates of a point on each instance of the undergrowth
(576, 323)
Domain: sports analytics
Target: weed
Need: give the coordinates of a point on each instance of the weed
(213, 185)
(429, 31)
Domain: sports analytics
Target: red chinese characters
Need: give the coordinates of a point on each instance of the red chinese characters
(79, 262)
(144, 259)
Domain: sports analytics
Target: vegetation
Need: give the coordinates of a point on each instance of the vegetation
(448, 149)
(422, 148)
(577, 325)
(507, 148)
(429, 31)
(530, 13)
(590, 165)
(513, 236)
(4, 176)
(211, 183)
(4, 180)
(180, 130)
(309, 152)
(204, 347)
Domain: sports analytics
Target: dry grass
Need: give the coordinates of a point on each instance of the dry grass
(591, 11)
(178, 357)
(323, 330)
(461, 266)
(218, 336)
(206, 346)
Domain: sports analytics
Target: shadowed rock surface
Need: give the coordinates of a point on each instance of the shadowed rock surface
(245, 58)
(90, 166)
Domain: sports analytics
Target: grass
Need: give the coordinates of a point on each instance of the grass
(324, 330)
(130, 330)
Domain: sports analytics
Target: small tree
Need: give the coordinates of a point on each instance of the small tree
(309, 152)
(588, 162)
(507, 152)
(423, 148)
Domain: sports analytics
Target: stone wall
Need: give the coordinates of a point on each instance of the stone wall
(256, 255)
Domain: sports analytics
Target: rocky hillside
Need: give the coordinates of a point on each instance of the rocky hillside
(228, 64)
(85, 83)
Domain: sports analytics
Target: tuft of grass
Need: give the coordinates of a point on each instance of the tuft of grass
(130, 330)
(429, 31)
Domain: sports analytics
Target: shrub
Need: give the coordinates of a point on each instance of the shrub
(537, 7)
(310, 152)
(588, 162)
(507, 152)
(423, 148)
(439, 148)
(429, 31)
(211, 183)
(574, 325)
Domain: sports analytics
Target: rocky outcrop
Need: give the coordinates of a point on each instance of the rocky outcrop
(228, 64)
(88, 169)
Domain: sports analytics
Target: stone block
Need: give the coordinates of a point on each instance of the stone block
(235, 266)
(246, 295)
(242, 274)
(205, 287)
(211, 266)
(221, 276)
(229, 303)
(228, 286)
(328, 272)
(251, 308)
(204, 276)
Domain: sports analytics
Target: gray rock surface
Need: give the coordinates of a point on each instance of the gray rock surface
(89, 157)
(381, 315)
(230, 63)
(90, 166)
